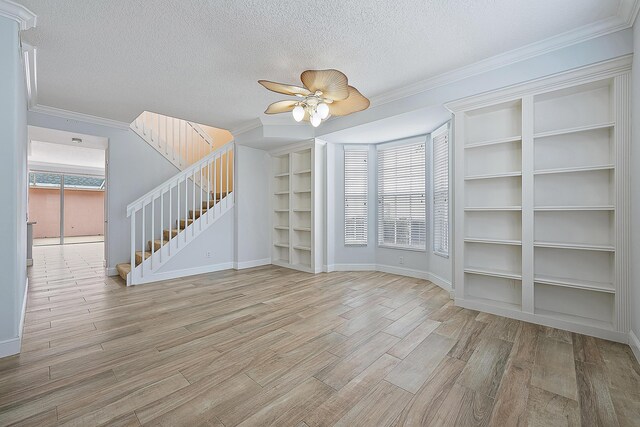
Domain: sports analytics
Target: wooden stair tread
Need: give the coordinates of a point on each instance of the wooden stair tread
(181, 223)
(157, 244)
(173, 232)
(139, 256)
(123, 269)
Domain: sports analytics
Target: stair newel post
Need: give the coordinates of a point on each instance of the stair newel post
(221, 181)
(186, 207)
(209, 187)
(200, 192)
(143, 242)
(177, 212)
(227, 194)
(133, 244)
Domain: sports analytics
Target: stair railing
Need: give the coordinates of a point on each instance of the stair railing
(183, 143)
(173, 199)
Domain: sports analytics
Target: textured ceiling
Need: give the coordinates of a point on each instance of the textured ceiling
(200, 59)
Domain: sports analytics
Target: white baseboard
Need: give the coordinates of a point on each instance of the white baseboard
(111, 271)
(250, 264)
(634, 343)
(174, 274)
(408, 272)
(12, 345)
(350, 267)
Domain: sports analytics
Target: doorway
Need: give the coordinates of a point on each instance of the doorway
(65, 208)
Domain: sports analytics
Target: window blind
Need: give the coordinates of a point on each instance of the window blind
(355, 197)
(401, 196)
(440, 141)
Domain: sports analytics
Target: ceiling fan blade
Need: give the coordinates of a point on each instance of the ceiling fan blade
(332, 83)
(355, 102)
(280, 107)
(284, 89)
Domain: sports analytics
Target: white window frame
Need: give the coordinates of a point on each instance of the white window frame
(362, 193)
(440, 186)
(403, 145)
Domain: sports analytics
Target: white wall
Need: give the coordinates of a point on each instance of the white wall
(13, 188)
(252, 238)
(635, 195)
(216, 240)
(134, 169)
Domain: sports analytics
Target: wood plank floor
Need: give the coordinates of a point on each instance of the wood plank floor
(271, 346)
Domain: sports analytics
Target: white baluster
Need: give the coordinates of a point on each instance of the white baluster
(227, 197)
(186, 207)
(153, 230)
(209, 188)
(170, 226)
(193, 201)
(178, 212)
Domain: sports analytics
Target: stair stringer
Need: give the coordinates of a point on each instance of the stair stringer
(148, 270)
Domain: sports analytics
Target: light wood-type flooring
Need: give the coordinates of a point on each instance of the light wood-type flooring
(271, 346)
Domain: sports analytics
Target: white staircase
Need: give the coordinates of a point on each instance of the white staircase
(176, 212)
(181, 142)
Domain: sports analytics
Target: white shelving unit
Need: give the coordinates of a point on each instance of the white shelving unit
(542, 202)
(297, 200)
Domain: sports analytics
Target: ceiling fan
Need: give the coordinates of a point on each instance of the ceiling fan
(325, 93)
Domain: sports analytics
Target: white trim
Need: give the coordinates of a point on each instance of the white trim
(175, 274)
(30, 74)
(250, 264)
(296, 146)
(111, 271)
(407, 272)
(350, 267)
(538, 319)
(81, 117)
(10, 347)
(442, 282)
(246, 127)
(13, 345)
(634, 343)
(626, 16)
(23, 16)
(628, 10)
(589, 73)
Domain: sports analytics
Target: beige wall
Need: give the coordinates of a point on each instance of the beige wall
(84, 212)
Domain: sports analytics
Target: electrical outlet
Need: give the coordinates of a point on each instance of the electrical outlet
(207, 254)
(401, 260)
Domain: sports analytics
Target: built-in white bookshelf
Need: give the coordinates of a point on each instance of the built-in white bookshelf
(541, 201)
(297, 193)
(281, 206)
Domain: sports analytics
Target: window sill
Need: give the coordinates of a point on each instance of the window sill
(441, 254)
(402, 248)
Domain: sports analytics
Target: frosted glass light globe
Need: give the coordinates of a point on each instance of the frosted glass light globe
(316, 120)
(298, 113)
(323, 110)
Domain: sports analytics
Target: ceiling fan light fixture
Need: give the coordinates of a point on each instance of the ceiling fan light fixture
(325, 93)
(298, 113)
(316, 120)
(323, 110)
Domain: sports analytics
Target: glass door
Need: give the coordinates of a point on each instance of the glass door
(45, 203)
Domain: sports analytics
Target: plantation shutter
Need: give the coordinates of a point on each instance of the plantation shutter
(440, 141)
(355, 197)
(401, 196)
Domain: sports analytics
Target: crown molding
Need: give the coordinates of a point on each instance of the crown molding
(23, 16)
(627, 13)
(577, 76)
(81, 117)
(246, 127)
